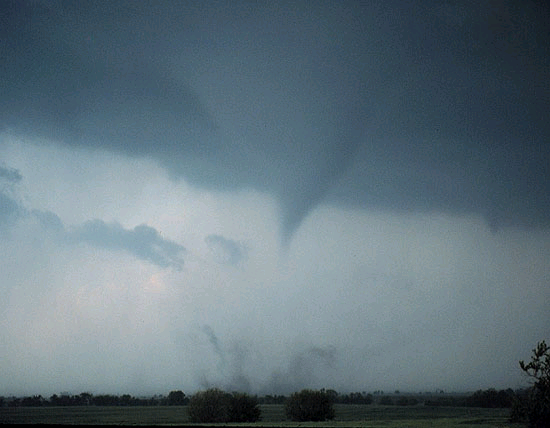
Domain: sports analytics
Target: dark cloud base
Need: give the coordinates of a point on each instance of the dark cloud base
(417, 107)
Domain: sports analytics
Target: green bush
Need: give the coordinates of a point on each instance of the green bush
(215, 405)
(309, 405)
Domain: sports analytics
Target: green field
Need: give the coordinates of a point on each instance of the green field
(347, 415)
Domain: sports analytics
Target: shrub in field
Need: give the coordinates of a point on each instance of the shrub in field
(243, 408)
(211, 405)
(177, 398)
(309, 405)
(215, 405)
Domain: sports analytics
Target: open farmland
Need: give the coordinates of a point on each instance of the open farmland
(272, 416)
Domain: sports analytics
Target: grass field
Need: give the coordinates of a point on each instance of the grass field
(272, 416)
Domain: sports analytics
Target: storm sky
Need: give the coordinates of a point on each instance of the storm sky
(268, 196)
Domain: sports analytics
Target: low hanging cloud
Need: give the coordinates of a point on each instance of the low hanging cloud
(9, 207)
(10, 175)
(50, 221)
(226, 251)
(144, 242)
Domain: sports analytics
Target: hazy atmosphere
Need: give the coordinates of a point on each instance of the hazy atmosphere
(268, 196)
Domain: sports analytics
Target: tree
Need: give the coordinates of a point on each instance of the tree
(490, 398)
(386, 401)
(243, 408)
(215, 405)
(85, 398)
(537, 404)
(309, 405)
(211, 405)
(333, 395)
(176, 398)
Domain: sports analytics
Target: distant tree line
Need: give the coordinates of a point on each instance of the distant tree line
(352, 398)
(531, 405)
(402, 400)
(349, 398)
(174, 398)
(272, 399)
(310, 405)
(489, 398)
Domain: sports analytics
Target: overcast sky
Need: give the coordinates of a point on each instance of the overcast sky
(268, 196)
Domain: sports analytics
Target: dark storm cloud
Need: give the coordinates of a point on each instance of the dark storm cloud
(143, 241)
(225, 250)
(70, 73)
(402, 106)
